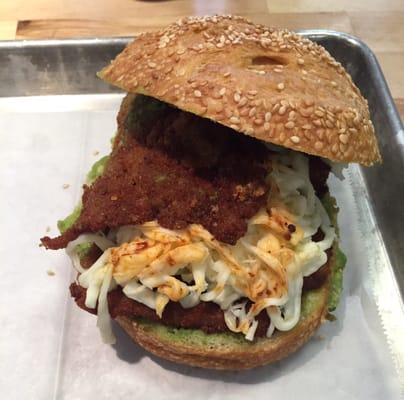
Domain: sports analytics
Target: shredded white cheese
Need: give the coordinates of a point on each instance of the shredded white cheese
(266, 266)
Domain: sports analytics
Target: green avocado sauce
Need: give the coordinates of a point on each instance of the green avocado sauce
(63, 225)
(96, 171)
(340, 259)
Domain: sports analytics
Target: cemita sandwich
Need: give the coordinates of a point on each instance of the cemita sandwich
(209, 233)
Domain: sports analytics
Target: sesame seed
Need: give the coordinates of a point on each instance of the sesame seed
(252, 92)
(317, 122)
(289, 125)
(197, 93)
(343, 138)
(222, 91)
(268, 116)
(353, 130)
(228, 113)
(306, 127)
(318, 146)
(329, 124)
(292, 114)
(334, 84)
(258, 121)
(252, 112)
(235, 127)
(280, 86)
(236, 97)
(219, 45)
(226, 74)
(152, 64)
(295, 139)
(243, 101)
(282, 110)
(319, 113)
(266, 126)
(306, 112)
(300, 61)
(234, 120)
(278, 70)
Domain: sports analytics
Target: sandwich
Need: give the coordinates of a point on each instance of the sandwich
(209, 233)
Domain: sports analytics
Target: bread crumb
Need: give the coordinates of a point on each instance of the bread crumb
(66, 186)
(50, 272)
(96, 152)
(48, 229)
(319, 337)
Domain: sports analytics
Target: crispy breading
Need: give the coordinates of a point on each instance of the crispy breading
(178, 169)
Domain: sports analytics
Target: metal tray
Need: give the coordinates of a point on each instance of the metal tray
(53, 69)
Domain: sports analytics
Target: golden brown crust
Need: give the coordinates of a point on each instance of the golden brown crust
(263, 351)
(269, 83)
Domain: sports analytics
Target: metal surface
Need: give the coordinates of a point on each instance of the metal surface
(51, 67)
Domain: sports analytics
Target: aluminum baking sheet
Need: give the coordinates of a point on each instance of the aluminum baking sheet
(56, 120)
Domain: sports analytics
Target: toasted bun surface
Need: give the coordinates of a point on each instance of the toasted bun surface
(268, 83)
(226, 350)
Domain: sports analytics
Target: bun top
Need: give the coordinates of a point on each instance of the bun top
(268, 83)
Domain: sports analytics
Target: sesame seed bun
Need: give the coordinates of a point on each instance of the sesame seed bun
(268, 83)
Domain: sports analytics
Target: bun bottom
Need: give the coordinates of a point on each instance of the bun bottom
(228, 351)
